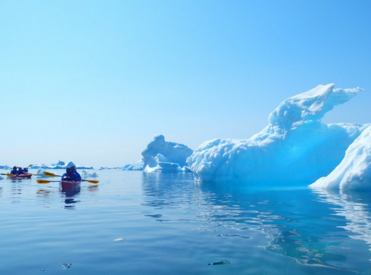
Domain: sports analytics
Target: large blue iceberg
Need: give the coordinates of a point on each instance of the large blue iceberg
(295, 148)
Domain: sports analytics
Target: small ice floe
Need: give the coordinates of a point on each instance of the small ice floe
(119, 239)
(86, 174)
(218, 263)
(40, 173)
(65, 266)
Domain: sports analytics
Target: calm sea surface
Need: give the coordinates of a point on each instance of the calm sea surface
(158, 223)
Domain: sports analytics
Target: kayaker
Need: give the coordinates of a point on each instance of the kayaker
(69, 175)
(77, 175)
(14, 171)
(20, 171)
(25, 170)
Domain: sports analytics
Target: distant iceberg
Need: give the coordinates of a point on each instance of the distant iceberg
(166, 156)
(59, 165)
(162, 156)
(295, 148)
(138, 166)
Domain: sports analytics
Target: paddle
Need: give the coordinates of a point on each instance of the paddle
(51, 174)
(54, 175)
(9, 175)
(47, 181)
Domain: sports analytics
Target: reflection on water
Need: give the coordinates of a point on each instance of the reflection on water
(44, 193)
(172, 225)
(355, 208)
(69, 192)
(93, 188)
(314, 228)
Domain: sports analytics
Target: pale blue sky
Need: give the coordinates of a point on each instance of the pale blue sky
(95, 81)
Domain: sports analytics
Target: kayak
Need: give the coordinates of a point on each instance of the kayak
(68, 184)
(70, 188)
(22, 176)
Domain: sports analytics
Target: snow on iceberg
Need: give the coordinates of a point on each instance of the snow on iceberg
(161, 155)
(295, 147)
(354, 171)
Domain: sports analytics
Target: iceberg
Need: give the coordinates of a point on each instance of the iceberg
(138, 166)
(295, 148)
(354, 171)
(110, 168)
(166, 156)
(40, 173)
(59, 165)
(162, 156)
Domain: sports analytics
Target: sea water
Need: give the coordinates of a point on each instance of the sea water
(159, 223)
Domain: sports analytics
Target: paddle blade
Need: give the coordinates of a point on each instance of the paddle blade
(92, 181)
(50, 174)
(43, 181)
(10, 175)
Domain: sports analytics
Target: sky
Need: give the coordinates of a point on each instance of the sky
(94, 81)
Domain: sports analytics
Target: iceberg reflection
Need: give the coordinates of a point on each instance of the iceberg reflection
(295, 223)
(355, 206)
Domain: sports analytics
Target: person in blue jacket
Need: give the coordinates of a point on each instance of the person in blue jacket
(14, 171)
(68, 176)
(20, 171)
(71, 174)
(77, 175)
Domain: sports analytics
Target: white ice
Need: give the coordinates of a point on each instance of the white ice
(88, 174)
(354, 171)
